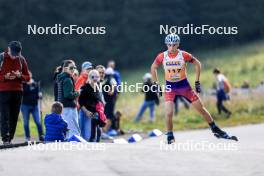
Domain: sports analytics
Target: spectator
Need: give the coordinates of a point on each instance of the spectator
(116, 75)
(56, 127)
(118, 116)
(67, 96)
(109, 88)
(86, 68)
(151, 98)
(13, 71)
(245, 85)
(31, 96)
(75, 75)
(81, 81)
(179, 98)
(222, 89)
(58, 70)
(88, 100)
(261, 86)
(101, 71)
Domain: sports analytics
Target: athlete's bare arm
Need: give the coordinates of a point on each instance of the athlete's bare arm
(198, 67)
(154, 73)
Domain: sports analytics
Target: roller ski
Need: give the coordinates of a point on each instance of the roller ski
(221, 134)
(226, 136)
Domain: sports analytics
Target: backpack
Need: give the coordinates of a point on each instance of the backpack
(2, 59)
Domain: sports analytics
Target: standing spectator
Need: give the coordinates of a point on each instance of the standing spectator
(81, 81)
(86, 68)
(58, 70)
(67, 96)
(75, 75)
(116, 75)
(31, 96)
(101, 71)
(13, 71)
(261, 86)
(222, 89)
(179, 98)
(56, 127)
(89, 98)
(151, 98)
(109, 88)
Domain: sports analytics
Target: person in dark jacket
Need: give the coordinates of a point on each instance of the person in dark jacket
(56, 127)
(13, 71)
(58, 70)
(30, 105)
(89, 98)
(67, 96)
(109, 92)
(151, 98)
(177, 100)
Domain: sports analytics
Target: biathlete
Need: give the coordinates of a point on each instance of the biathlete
(174, 62)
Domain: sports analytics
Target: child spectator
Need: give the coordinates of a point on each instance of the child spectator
(56, 127)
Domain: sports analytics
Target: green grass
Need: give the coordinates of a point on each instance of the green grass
(240, 63)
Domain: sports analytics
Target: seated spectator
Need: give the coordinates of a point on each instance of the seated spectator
(56, 127)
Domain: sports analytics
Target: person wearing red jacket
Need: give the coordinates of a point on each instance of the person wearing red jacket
(13, 71)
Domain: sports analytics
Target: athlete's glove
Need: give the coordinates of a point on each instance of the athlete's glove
(198, 86)
(158, 89)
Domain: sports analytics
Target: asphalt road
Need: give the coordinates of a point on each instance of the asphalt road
(196, 153)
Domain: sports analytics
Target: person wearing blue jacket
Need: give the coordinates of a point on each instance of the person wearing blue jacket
(56, 127)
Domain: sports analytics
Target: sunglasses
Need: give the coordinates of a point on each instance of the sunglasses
(95, 77)
(72, 68)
